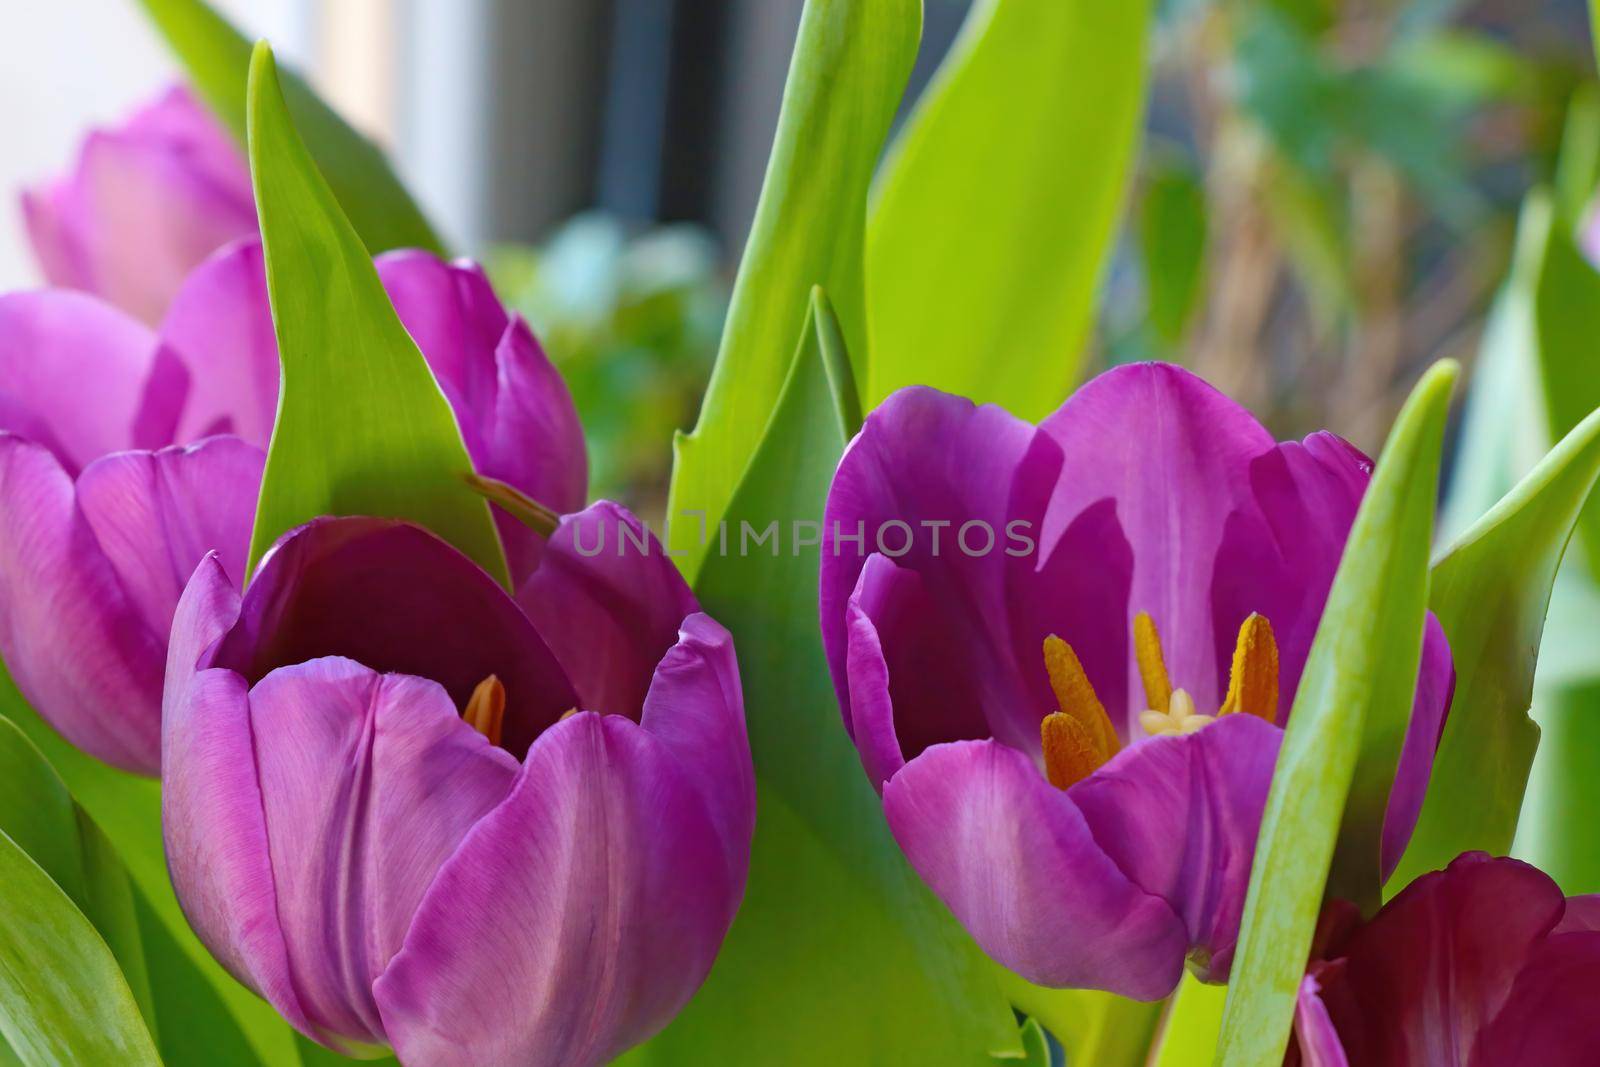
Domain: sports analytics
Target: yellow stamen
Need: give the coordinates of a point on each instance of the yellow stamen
(1076, 697)
(1070, 754)
(569, 713)
(1152, 665)
(486, 709)
(1253, 683)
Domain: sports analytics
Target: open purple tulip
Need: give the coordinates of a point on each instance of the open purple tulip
(1063, 653)
(145, 204)
(407, 819)
(1483, 963)
(127, 454)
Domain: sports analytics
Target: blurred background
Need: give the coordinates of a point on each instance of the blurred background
(1324, 202)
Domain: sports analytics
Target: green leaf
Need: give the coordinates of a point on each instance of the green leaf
(995, 212)
(362, 427)
(1193, 1023)
(217, 58)
(839, 953)
(851, 61)
(1342, 741)
(1094, 1027)
(1490, 592)
(1556, 831)
(1035, 1047)
(1172, 246)
(62, 997)
(128, 809)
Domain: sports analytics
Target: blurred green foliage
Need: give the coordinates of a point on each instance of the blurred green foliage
(632, 319)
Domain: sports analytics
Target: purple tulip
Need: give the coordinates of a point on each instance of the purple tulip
(407, 819)
(1482, 964)
(127, 454)
(1063, 652)
(146, 203)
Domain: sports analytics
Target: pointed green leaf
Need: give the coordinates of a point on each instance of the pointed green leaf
(128, 809)
(839, 953)
(362, 427)
(1490, 592)
(217, 58)
(1192, 1025)
(995, 213)
(851, 61)
(62, 997)
(1035, 1047)
(1342, 741)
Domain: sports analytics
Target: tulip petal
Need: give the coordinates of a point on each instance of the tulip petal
(924, 465)
(220, 326)
(1421, 980)
(1174, 454)
(396, 598)
(157, 514)
(575, 919)
(1436, 682)
(368, 784)
(909, 686)
(1317, 1040)
(72, 640)
(1018, 863)
(608, 602)
(1549, 1019)
(81, 378)
(1179, 816)
(516, 415)
(158, 197)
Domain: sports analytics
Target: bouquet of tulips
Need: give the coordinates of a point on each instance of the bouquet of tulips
(961, 712)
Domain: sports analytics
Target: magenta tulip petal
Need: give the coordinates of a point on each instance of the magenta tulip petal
(515, 413)
(1174, 454)
(924, 465)
(1436, 683)
(590, 891)
(134, 183)
(1179, 816)
(1021, 867)
(608, 602)
(72, 640)
(1582, 914)
(216, 837)
(368, 783)
(145, 203)
(1315, 1036)
(1420, 981)
(395, 598)
(157, 514)
(1279, 551)
(1549, 1020)
(82, 378)
(220, 326)
(909, 685)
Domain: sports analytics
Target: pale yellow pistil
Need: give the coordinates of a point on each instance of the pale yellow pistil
(486, 709)
(1179, 718)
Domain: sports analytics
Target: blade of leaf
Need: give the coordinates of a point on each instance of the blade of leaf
(839, 953)
(1094, 1027)
(362, 426)
(217, 58)
(128, 809)
(994, 215)
(1342, 741)
(851, 61)
(1490, 591)
(1190, 1030)
(62, 997)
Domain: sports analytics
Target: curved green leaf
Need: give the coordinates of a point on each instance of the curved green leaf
(1192, 1025)
(362, 427)
(839, 953)
(217, 58)
(995, 213)
(851, 61)
(62, 997)
(1093, 1027)
(1490, 591)
(1324, 816)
